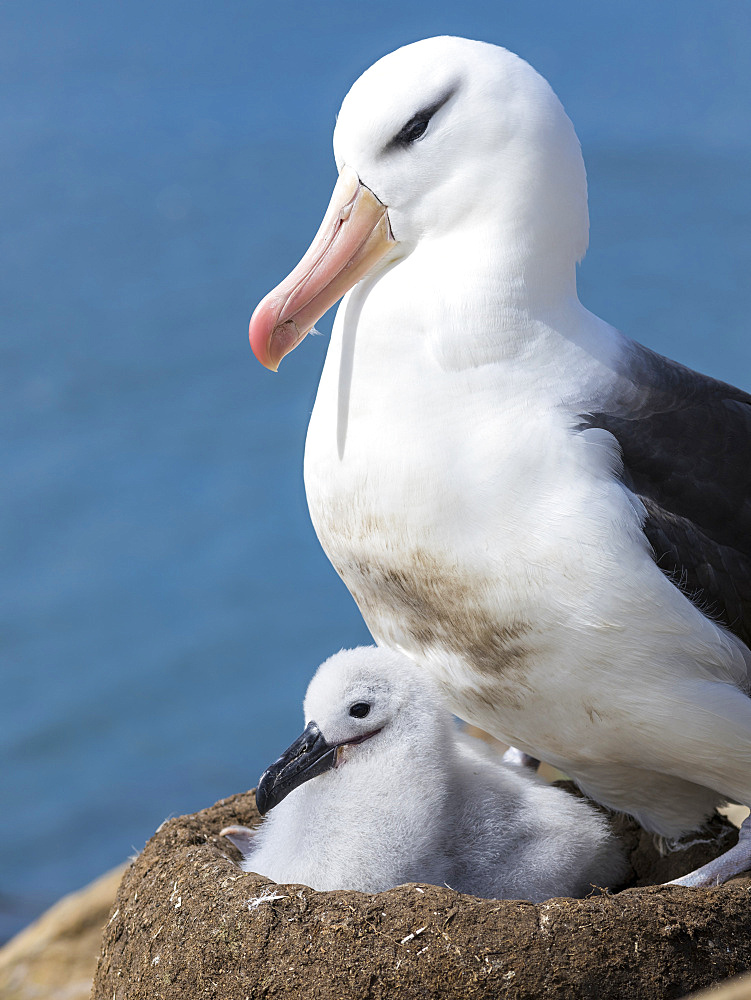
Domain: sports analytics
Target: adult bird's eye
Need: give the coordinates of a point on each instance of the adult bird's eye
(359, 710)
(416, 127)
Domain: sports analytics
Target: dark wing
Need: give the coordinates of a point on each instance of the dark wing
(686, 444)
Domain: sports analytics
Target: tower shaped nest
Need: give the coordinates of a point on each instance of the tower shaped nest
(188, 923)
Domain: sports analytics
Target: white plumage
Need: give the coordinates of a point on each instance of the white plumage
(421, 802)
(551, 519)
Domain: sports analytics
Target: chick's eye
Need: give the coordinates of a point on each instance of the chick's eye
(359, 710)
(413, 130)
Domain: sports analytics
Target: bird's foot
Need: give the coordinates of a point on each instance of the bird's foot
(732, 862)
(240, 836)
(517, 758)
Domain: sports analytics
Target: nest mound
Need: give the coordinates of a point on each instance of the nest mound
(188, 923)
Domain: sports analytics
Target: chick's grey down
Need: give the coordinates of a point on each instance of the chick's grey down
(550, 518)
(406, 797)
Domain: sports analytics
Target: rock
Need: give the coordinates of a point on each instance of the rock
(737, 988)
(188, 923)
(54, 958)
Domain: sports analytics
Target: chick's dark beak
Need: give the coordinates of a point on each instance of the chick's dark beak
(309, 756)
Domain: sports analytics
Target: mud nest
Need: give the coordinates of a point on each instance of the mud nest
(188, 923)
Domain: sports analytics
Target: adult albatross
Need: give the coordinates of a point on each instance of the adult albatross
(552, 519)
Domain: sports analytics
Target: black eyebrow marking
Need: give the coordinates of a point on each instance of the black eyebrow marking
(417, 125)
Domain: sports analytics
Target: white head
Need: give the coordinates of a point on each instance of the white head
(450, 133)
(445, 139)
(365, 708)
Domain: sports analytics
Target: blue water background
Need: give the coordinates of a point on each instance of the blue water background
(163, 598)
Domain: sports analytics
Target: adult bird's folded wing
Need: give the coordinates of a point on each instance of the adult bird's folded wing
(685, 439)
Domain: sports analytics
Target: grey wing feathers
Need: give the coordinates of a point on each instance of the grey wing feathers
(686, 445)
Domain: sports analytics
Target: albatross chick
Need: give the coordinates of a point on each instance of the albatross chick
(381, 789)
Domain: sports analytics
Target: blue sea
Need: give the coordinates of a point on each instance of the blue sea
(163, 598)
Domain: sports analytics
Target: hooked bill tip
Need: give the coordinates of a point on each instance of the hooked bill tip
(283, 339)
